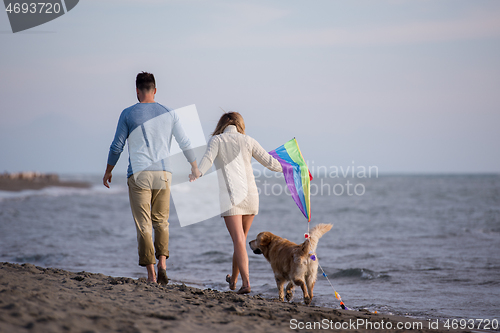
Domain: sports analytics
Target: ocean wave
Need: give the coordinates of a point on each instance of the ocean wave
(489, 283)
(41, 259)
(213, 257)
(359, 273)
(214, 253)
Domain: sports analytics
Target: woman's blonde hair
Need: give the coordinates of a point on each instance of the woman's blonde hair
(230, 118)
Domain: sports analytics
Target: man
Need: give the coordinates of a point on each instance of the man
(148, 127)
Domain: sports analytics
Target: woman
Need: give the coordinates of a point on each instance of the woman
(232, 151)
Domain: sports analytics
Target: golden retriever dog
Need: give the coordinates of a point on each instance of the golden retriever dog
(291, 262)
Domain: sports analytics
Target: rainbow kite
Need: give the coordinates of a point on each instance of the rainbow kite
(297, 175)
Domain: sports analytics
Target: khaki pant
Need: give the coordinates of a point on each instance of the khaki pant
(149, 194)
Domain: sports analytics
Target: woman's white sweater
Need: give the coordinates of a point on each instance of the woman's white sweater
(232, 153)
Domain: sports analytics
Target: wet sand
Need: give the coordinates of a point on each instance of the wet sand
(35, 299)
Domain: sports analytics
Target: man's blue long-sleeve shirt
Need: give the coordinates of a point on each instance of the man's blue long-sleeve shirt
(149, 128)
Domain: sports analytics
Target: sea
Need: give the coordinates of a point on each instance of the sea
(424, 246)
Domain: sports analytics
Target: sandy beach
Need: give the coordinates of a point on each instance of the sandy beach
(36, 299)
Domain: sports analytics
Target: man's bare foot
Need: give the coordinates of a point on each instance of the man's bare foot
(162, 262)
(162, 276)
(151, 273)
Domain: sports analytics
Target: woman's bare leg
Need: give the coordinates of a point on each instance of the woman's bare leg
(246, 224)
(235, 272)
(237, 225)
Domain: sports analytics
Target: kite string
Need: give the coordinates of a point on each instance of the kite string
(314, 257)
(326, 276)
(335, 293)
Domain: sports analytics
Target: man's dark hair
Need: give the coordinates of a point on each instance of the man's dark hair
(145, 81)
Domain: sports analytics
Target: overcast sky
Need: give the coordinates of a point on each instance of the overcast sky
(407, 86)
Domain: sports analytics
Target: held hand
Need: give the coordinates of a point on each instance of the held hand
(195, 174)
(106, 179)
(192, 178)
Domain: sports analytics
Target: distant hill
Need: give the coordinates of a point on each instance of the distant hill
(32, 180)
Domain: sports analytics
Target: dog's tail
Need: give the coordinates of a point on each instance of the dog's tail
(315, 234)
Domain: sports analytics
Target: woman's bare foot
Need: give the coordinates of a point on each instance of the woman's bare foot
(244, 290)
(232, 285)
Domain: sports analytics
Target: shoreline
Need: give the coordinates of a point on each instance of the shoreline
(36, 299)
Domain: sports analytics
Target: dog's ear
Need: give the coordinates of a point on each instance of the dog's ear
(265, 239)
